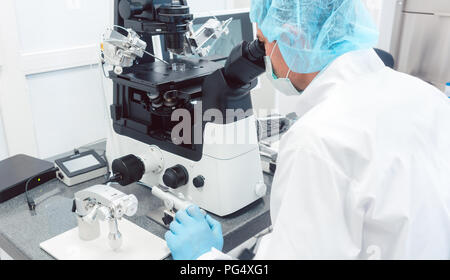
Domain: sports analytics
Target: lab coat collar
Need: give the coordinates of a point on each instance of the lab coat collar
(344, 69)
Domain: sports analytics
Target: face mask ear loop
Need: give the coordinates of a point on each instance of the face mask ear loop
(289, 72)
(274, 47)
(271, 54)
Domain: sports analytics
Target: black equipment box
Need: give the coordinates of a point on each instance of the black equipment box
(15, 172)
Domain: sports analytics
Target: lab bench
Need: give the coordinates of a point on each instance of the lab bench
(21, 232)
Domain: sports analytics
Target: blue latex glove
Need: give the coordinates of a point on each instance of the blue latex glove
(192, 234)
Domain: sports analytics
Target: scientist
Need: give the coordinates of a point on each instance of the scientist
(365, 172)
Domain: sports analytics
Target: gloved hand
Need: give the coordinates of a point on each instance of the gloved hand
(192, 234)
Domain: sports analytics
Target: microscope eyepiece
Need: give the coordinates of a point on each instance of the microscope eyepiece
(255, 50)
(245, 63)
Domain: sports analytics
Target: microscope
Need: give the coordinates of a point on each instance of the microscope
(184, 120)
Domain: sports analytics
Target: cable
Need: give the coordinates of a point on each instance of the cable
(114, 179)
(103, 68)
(30, 201)
(144, 185)
(107, 119)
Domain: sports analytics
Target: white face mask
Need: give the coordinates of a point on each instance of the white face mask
(284, 85)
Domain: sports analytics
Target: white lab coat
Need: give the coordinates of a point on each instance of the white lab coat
(365, 172)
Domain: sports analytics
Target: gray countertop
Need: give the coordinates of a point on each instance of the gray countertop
(21, 232)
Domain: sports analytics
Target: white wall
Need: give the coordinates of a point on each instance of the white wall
(3, 145)
(383, 13)
(240, 4)
(69, 109)
(15, 105)
(202, 6)
(374, 7)
(54, 24)
(58, 39)
(386, 24)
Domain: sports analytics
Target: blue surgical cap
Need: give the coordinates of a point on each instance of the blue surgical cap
(312, 33)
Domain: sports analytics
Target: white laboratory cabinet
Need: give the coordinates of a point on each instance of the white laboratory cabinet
(420, 40)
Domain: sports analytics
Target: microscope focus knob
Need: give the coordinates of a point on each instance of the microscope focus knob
(176, 176)
(199, 181)
(129, 169)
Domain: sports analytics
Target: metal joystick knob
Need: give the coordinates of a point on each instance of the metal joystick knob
(176, 176)
(115, 239)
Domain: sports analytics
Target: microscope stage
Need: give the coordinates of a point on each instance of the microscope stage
(159, 73)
